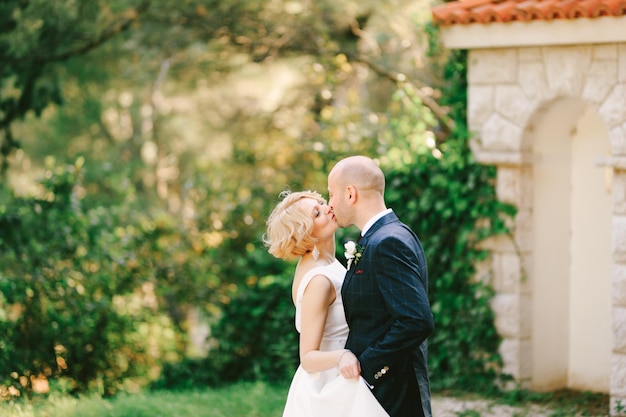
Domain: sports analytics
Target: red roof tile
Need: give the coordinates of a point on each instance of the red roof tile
(488, 11)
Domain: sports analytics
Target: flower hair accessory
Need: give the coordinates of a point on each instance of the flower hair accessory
(353, 252)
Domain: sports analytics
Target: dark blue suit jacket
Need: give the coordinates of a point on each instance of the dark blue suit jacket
(385, 297)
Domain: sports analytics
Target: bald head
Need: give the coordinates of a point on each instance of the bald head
(361, 172)
(356, 188)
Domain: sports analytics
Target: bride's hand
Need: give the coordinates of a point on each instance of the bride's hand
(349, 366)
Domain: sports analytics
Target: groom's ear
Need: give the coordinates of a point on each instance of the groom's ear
(351, 190)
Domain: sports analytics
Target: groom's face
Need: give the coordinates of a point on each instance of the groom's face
(338, 202)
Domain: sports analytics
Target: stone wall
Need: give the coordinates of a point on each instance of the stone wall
(507, 88)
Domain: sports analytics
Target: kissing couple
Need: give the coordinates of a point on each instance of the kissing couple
(363, 329)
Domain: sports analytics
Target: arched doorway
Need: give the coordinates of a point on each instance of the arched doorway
(571, 260)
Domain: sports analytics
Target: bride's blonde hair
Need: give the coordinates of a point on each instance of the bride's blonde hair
(289, 227)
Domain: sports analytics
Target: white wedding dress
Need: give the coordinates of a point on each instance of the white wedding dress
(328, 394)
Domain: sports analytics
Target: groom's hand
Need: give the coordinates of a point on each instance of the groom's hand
(349, 366)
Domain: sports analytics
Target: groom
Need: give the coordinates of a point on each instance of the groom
(385, 293)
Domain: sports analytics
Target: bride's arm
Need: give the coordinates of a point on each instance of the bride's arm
(318, 296)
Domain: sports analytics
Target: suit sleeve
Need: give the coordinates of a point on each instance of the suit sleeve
(400, 270)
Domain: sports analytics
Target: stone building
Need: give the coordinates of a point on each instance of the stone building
(547, 106)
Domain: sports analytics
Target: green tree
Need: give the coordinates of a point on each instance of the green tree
(62, 269)
(36, 34)
(190, 118)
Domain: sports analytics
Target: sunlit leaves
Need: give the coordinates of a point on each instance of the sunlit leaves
(190, 123)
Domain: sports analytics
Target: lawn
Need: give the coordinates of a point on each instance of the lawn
(245, 400)
(263, 400)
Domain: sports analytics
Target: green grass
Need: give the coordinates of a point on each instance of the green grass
(263, 400)
(241, 400)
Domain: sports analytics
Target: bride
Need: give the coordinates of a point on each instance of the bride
(302, 225)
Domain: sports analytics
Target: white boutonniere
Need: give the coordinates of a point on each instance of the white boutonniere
(353, 252)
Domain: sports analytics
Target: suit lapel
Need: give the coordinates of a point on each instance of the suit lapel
(386, 219)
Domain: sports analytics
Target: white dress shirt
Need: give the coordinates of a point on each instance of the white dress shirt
(371, 221)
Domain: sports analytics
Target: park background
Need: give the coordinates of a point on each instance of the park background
(144, 143)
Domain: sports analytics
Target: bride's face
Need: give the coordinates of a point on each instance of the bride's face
(324, 225)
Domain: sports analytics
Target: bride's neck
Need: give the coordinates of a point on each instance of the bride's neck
(323, 258)
(326, 254)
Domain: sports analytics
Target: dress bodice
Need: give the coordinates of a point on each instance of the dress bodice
(336, 330)
(327, 393)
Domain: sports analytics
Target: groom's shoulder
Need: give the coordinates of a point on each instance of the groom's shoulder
(395, 229)
(389, 227)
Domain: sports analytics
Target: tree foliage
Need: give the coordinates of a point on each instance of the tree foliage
(35, 35)
(62, 282)
(164, 132)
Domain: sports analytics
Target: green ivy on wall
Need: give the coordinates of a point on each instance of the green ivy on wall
(449, 200)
